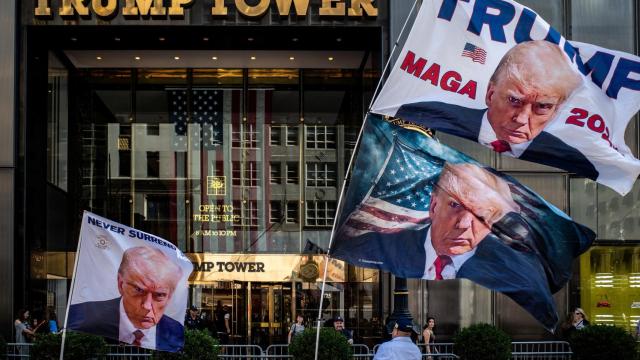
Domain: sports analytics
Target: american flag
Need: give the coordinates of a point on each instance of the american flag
(399, 199)
(477, 54)
(202, 107)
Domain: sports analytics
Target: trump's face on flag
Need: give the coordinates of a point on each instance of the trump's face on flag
(528, 86)
(465, 203)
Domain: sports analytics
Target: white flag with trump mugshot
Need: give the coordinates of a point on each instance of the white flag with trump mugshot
(129, 286)
(494, 72)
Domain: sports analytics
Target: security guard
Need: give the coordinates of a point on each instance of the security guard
(400, 346)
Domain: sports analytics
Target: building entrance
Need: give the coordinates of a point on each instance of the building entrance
(258, 313)
(271, 312)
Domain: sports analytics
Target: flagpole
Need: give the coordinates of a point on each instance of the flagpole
(73, 285)
(344, 181)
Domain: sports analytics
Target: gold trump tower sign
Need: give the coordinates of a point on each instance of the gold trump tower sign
(176, 8)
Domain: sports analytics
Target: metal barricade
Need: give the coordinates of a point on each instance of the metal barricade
(228, 352)
(361, 352)
(541, 350)
(127, 352)
(18, 350)
(281, 350)
(277, 351)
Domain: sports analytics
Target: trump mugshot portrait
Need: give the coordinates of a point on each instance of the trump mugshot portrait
(130, 286)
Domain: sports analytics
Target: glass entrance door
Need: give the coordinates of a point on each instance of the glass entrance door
(270, 313)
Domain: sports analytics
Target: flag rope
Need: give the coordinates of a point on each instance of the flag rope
(344, 181)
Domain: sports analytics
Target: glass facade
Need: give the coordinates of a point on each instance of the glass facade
(220, 162)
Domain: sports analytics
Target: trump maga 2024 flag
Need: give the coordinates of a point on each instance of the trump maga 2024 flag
(419, 209)
(494, 72)
(129, 286)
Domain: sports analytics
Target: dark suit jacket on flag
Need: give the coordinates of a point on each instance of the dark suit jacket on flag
(103, 318)
(384, 221)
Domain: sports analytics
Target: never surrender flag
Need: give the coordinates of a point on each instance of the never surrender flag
(494, 72)
(419, 209)
(129, 286)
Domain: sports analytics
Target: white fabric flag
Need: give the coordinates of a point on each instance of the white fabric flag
(552, 101)
(129, 286)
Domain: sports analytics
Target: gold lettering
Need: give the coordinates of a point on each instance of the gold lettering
(328, 8)
(43, 8)
(358, 5)
(143, 7)
(102, 10)
(68, 6)
(177, 7)
(252, 11)
(218, 8)
(284, 6)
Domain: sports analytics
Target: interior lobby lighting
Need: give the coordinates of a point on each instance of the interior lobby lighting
(214, 58)
(176, 57)
(98, 57)
(253, 58)
(137, 57)
(330, 58)
(291, 58)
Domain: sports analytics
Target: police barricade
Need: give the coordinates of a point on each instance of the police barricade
(128, 352)
(361, 352)
(18, 350)
(228, 352)
(543, 350)
(281, 351)
(438, 351)
(278, 350)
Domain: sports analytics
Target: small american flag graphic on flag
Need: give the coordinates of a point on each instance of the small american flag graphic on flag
(477, 54)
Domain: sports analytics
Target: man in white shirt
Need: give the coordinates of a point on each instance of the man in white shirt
(465, 203)
(400, 347)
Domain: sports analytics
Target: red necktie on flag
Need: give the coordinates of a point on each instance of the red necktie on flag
(139, 335)
(500, 146)
(439, 264)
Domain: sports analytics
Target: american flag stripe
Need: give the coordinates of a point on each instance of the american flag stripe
(386, 210)
(376, 215)
(364, 219)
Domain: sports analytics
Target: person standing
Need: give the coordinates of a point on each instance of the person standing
(296, 329)
(21, 326)
(400, 347)
(579, 319)
(53, 322)
(192, 321)
(222, 319)
(428, 336)
(338, 325)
